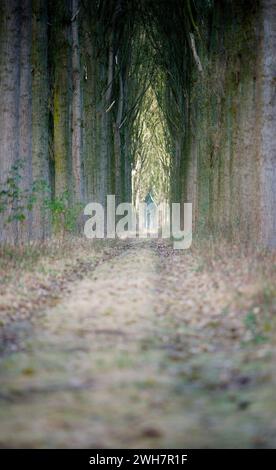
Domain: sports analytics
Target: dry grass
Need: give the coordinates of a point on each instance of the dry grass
(153, 348)
(38, 275)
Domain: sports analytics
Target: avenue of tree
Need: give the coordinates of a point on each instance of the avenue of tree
(126, 96)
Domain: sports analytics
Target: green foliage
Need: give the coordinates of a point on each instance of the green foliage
(253, 326)
(64, 216)
(16, 203)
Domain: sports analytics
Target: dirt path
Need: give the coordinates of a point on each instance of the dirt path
(142, 353)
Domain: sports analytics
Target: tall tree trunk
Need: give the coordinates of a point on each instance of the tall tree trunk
(127, 170)
(105, 137)
(40, 115)
(268, 140)
(76, 106)
(9, 98)
(89, 108)
(117, 141)
(60, 51)
(25, 117)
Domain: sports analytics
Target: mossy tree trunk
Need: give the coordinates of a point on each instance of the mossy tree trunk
(61, 95)
(77, 123)
(40, 117)
(9, 100)
(24, 227)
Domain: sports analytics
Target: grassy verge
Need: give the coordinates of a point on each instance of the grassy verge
(37, 276)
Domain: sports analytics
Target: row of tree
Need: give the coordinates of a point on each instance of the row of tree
(80, 80)
(72, 75)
